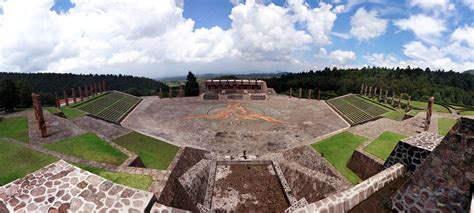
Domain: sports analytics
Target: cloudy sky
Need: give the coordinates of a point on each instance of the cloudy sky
(160, 38)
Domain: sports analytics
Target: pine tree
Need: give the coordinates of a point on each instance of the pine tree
(8, 95)
(192, 86)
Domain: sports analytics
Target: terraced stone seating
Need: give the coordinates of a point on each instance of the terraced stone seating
(355, 109)
(112, 107)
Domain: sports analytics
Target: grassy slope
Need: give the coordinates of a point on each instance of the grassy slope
(466, 113)
(142, 182)
(423, 105)
(154, 153)
(53, 110)
(90, 147)
(444, 125)
(17, 161)
(15, 128)
(338, 150)
(395, 115)
(72, 113)
(384, 144)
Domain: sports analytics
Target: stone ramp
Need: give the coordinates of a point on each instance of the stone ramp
(63, 187)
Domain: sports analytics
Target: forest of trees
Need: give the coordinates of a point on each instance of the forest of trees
(46, 84)
(446, 87)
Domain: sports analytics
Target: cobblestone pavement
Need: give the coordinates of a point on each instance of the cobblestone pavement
(61, 187)
(302, 121)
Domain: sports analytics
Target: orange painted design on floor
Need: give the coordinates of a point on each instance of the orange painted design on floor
(235, 109)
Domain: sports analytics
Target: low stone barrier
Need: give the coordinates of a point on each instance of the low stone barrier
(345, 200)
(364, 165)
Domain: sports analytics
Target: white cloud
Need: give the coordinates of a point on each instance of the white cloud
(338, 57)
(427, 28)
(469, 3)
(366, 25)
(153, 38)
(464, 34)
(429, 4)
(319, 21)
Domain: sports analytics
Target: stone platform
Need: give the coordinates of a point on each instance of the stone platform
(62, 187)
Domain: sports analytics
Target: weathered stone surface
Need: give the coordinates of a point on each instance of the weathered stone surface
(441, 182)
(37, 193)
(363, 165)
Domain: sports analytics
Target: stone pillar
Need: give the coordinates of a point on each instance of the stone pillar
(319, 94)
(407, 108)
(392, 102)
(310, 91)
(370, 92)
(170, 94)
(380, 96)
(58, 104)
(429, 111)
(400, 101)
(38, 109)
(362, 89)
(300, 93)
(86, 92)
(91, 90)
(375, 93)
(291, 92)
(73, 95)
(80, 93)
(161, 93)
(65, 98)
(385, 98)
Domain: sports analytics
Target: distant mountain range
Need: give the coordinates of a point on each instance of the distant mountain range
(469, 71)
(214, 75)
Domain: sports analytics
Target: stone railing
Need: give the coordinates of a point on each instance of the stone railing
(345, 200)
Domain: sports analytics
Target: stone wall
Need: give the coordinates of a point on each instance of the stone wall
(364, 165)
(345, 200)
(444, 180)
(308, 157)
(174, 193)
(195, 181)
(412, 151)
(308, 183)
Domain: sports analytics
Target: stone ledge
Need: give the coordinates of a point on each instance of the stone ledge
(345, 200)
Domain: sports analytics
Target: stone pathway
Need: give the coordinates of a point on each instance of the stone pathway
(62, 187)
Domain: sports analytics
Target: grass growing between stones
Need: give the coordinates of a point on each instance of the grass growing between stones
(15, 128)
(142, 182)
(154, 153)
(90, 147)
(384, 144)
(338, 150)
(395, 115)
(444, 125)
(17, 161)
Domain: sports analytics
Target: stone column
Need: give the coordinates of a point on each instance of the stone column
(310, 91)
(291, 92)
(400, 101)
(385, 98)
(300, 93)
(392, 102)
(362, 89)
(319, 94)
(366, 89)
(171, 92)
(58, 104)
(65, 98)
(161, 93)
(38, 109)
(370, 92)
(429, 111)
(103, 86)
(80, 93)
(380, 96)
(86, 92)
(73, 95)
(407, 108)
(375, 93)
